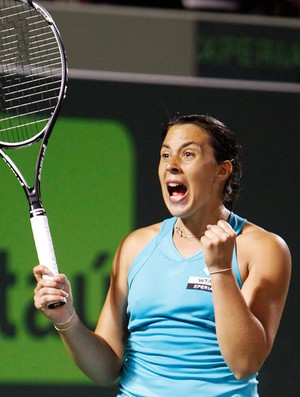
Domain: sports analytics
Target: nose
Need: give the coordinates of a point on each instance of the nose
(173, 166)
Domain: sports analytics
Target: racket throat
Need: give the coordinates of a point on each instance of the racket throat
(36, 206)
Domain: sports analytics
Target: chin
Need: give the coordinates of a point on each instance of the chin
(177, 210)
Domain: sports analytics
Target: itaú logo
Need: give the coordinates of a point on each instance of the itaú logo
(10, 281)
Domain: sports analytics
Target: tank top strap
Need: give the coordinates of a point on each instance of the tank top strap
(236, 222)
(166, 228)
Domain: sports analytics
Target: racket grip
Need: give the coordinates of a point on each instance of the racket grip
(44, 248)
(43, 243)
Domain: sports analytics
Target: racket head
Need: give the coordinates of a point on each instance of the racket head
(33, 73)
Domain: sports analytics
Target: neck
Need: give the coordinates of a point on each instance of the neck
(194, 228)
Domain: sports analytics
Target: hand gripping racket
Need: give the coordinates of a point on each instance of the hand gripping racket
(33, 78)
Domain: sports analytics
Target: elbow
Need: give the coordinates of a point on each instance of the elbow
(241, 375)
(106, 382)
(246, 368)
(249, 362)
(244, 373)
(104, 379)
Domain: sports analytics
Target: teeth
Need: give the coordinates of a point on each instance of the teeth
(176, 189)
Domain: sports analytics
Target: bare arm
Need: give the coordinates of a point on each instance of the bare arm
(98, 354)
(247, 320)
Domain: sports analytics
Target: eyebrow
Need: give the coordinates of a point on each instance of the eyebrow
(183, 145)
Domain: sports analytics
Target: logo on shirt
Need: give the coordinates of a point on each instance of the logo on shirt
(199, 283)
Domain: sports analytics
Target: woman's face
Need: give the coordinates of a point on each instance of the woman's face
(188, 172)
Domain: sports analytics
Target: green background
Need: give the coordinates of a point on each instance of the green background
(87, 191)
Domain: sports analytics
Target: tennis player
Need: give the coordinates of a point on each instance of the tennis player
(195, 301)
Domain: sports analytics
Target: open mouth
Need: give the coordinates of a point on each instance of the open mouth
(176, 190)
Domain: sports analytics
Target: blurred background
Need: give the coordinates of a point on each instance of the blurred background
(263, 7)
(132, 65)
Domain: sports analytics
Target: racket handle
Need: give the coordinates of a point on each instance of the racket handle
(43, 243)
(44, 248)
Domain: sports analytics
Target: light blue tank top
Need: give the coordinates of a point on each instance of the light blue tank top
(172, 349)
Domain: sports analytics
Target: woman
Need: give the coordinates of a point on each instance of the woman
(195, 301)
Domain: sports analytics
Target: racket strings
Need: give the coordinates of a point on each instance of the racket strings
(30, 72)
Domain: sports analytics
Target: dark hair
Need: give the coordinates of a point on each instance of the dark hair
(225, 147)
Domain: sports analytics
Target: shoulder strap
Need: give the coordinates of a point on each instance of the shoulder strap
(143, 256)
(236, 222)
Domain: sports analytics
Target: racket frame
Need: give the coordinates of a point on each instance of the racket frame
(38, 217)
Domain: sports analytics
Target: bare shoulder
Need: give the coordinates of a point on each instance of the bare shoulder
(136, 241)
(253, 234)
(263, 250)
(143, 235)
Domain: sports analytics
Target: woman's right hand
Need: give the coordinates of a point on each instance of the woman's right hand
(56, 289)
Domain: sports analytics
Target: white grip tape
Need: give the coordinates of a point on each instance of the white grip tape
(43, 243)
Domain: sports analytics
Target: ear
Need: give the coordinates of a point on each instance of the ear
(224, 170)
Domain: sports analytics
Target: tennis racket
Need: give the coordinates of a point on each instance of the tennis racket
(33, 80)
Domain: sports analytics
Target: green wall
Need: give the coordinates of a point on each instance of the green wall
(88, 189)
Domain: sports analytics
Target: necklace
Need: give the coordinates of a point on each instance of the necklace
(182, 235)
